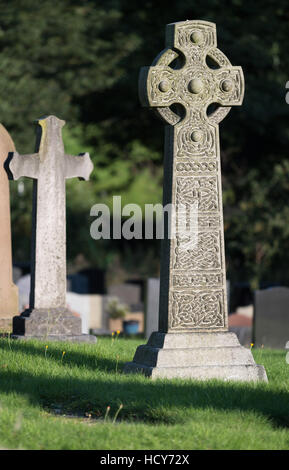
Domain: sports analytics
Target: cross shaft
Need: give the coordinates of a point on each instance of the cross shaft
(180, 86)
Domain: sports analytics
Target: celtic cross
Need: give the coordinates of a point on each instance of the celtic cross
(180, 86)
(193, 341)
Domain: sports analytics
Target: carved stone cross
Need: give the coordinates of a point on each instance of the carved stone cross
(193, 291)
(188, 76)
(49, 168)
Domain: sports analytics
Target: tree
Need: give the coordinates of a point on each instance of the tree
(80, 60)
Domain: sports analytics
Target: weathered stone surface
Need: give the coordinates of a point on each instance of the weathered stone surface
(83, 338)
(8, 290)
(193, 278)
(189, 341)
(200, 356)
(49, 168)
(243, 373)
(43, 322)
(180, 86)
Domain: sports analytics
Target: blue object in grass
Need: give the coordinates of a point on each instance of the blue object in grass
(130, 327)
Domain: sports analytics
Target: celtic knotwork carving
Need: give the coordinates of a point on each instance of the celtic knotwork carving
(202, 251)
(206, 79)
(231, 80)
(194, 85)
(218, 115)
(182, 37)
(197, 309)
(209, 222)
(168, 116)
(200, 190)
(166, 57)
(166, 76)
(219, 57)
(188, 76)
(198, 140)
(197, 280)
(197, 166)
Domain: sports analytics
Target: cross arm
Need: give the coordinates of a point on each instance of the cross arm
(79, 166)
(149, 91)
(230, 86)
(23, 165)
(157, 86)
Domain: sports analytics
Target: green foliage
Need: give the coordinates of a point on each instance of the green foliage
(80, 60)
(116, 309)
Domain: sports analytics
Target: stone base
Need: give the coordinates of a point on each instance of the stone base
(56, 324)
(72, 338)
(199, 356)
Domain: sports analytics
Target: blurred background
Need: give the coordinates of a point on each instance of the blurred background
(80, 60)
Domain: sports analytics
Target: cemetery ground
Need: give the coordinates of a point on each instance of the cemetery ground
(56, 396)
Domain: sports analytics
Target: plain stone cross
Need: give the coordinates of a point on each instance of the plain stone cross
(180, 86)
(49, 167)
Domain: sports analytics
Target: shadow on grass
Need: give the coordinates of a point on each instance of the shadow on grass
(144, 400)
(90, 360)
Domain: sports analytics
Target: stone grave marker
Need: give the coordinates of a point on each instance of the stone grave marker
(152, 308)
(193, 339)
(271, 317)
(8, 290)
(24, 284)
(127, 293)
(47, 316)
(91, 308)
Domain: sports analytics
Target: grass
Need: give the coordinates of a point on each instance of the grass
(51, 400)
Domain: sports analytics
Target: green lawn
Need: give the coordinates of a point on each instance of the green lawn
(53, 401)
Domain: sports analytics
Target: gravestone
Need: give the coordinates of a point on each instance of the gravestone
(23, 285)
(271, 317)
(47, 317)
(16, 274)
(8, 290)
(79, 304)
(127, 293)
(152, 308)
(193, 339)
(87, 281)
(77, 283)
(92, 309)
